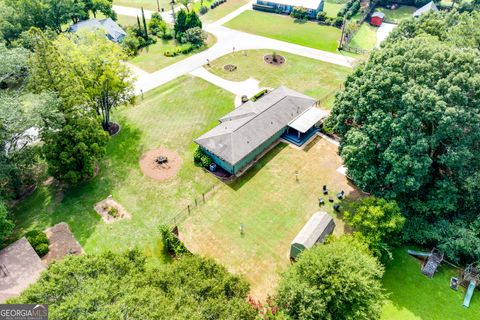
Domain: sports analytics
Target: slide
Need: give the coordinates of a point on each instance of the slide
(419, 253)
(468, 295)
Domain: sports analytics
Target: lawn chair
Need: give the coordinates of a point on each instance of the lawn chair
(341, 195)
(325, 190)
(330, 199)
(336, 207)
(321, 202)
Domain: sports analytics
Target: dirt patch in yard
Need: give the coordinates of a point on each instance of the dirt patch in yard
(111, 211)
(274, 59)
(160, 164)
(62, 242)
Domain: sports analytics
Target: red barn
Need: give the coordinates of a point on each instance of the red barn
(377, 19)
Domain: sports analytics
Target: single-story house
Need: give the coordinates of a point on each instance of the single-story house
(425, 9)
(377, 19)
(112, 30)
(286, 6)
(20, 266)
(252, 128)
(319, 226)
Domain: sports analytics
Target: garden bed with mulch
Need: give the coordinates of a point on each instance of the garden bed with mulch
(274, 59)
(167, 168)
(113, 128)
(230, 67)
(111, 211)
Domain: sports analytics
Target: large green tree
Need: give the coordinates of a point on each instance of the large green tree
(377, 222)
(339, 280)
(6, 225)
(123, 286)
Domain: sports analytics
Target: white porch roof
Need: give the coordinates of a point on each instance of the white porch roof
(308, 119)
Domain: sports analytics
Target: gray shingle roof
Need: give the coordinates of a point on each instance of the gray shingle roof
(247, 127)
(426, 8)
(113, 30)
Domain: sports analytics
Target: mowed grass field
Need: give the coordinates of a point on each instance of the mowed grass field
(365, 38)
(309, 34)
(219, 12)
(311, 77)
(152, 58)
(146, 4)
(397, 15)
(167, 117)
(273, 206)
(413, 296)
(331, 7)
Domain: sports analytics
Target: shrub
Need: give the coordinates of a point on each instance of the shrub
(185, 48)
(39, 241)
(169, 53)
(112, 211)
(130, 43)
(156, 24)
(201, 158)
(171, 243)
(196, 36)
(299, 13)
(321, 16)
(203, 10)
(338, 21)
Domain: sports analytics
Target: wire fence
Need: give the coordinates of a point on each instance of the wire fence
(193, 205)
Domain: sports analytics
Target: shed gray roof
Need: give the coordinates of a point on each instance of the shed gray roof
(379, 14)
(248, 126)
(113, 30)
(315, 230)
(426, 8)
(20, 266)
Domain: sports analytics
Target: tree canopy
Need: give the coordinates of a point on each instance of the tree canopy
(123, 286)
(377, 222)
(337, 280)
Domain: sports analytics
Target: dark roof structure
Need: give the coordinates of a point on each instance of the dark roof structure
(113, 31)
(20, 266)
(248, 126)
(426, 8)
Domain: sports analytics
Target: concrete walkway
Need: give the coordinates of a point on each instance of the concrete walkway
(228, 40)
(383, 32)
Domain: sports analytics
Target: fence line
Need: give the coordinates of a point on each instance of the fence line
(195, 203)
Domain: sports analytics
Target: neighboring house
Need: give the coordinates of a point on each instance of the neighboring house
(254, 127)
(314, 231)
(20, 266)
(377, 19)
(112, 30)
(286, 6)
(425, 9)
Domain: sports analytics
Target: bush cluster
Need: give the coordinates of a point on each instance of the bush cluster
(201, 158)
(183, 49)
(171, 243)
(350, 9)
(39, 241)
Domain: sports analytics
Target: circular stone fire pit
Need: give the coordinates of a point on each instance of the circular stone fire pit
(274, 59)
(230, 67)
(160, 164)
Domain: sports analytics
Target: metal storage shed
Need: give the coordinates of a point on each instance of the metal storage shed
(315, 230)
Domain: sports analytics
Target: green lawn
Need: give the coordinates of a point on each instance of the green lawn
(126, 21)
(397, 15)
(331, 7)
(273, 207)
(152, 58)
(146, 4)
(220, 11)
(309, 34)
(412, 296)
(365, 38)
(167, 117)
(312, 77)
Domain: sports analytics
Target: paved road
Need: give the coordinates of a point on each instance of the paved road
(228, 40)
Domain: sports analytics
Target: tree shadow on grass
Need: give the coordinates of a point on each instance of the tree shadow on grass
(254, 169)
(45, 208)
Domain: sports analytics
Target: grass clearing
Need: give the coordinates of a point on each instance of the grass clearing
(312, 77)
(309, 34)
(413, 296)
(152, 58)
(127, 21)
(167, 117)
(273, 207)
(146, 4)
(397, 15)
(219, 12)
(365, 38)
(332, 7)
